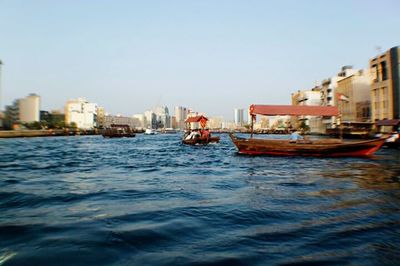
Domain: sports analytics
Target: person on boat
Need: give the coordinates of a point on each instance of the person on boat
(205, 134)
(193, 135)
(196, 134)
(190, 135)
(295, 136)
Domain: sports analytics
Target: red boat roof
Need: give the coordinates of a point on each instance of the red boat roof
(293, 110)
(195, 119)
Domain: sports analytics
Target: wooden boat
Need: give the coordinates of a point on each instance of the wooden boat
(318, 148)
(202, 138)
(118, 131)
(201, 141)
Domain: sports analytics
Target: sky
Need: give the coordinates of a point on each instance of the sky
(210, 55)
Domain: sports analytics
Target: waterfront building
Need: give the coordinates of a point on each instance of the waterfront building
(248, 116)
(279, 122)
(328, 88)
(228, 125)
(238, 117)
(174, 124)
(29, 108)
(181, 113)
(356, 90)
(310, 97)
(264, 122)
(82, 113)
(141, 118)
(215, 122)
(385, 88)
(151, 119)
(101, 115)
(132, 122)
(162, 117)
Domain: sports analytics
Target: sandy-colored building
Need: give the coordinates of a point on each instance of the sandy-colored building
(101, 117)
(29, 108)
(310, 97)
(215, 122)
(356, 89)
(121, 120)
(385, 87)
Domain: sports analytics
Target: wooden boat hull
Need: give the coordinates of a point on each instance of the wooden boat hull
(317, 148)
(201, 141)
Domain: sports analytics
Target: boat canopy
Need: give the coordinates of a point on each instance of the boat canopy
(195, 119)
(256, 109)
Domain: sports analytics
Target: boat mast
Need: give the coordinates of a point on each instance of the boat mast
(340, 121)
(252, 119)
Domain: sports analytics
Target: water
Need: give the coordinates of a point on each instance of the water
(151, 200)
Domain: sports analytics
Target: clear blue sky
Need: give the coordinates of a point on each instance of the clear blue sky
(213, 56)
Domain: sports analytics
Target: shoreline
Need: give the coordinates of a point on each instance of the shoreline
(43, 133)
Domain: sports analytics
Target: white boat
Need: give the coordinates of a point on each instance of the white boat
(150, 131)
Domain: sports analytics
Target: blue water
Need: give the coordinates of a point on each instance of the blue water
(150, 200)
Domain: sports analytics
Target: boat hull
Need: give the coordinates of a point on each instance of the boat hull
(319, 148)
(201, 141)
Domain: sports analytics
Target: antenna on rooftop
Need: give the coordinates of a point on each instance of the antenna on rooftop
(378, 49)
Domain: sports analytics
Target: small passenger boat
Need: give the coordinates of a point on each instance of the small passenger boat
(198, 136)
(317, 148)
(150, 131)
(118, 131)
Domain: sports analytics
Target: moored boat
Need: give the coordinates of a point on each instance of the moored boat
(118, 131)
(317, 148)
(150, 131)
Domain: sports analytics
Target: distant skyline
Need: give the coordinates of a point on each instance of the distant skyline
(211, 56)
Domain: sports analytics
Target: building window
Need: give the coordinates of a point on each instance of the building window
(384, 70)
(375, 73)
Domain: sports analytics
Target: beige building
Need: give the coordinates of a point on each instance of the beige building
(101, 116)
(356, 88)
(309, 98)
(121, 120)
(82, 113)
(215, 122)
(29, 108)
(385, 87)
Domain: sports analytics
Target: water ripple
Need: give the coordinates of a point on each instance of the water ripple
(152, 200)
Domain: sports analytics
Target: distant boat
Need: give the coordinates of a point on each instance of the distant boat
(118, 131)
(318, 148)
(203, 136)
(150, 131)
(169, 131)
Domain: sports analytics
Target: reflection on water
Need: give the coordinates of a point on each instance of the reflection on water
(152, 200)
